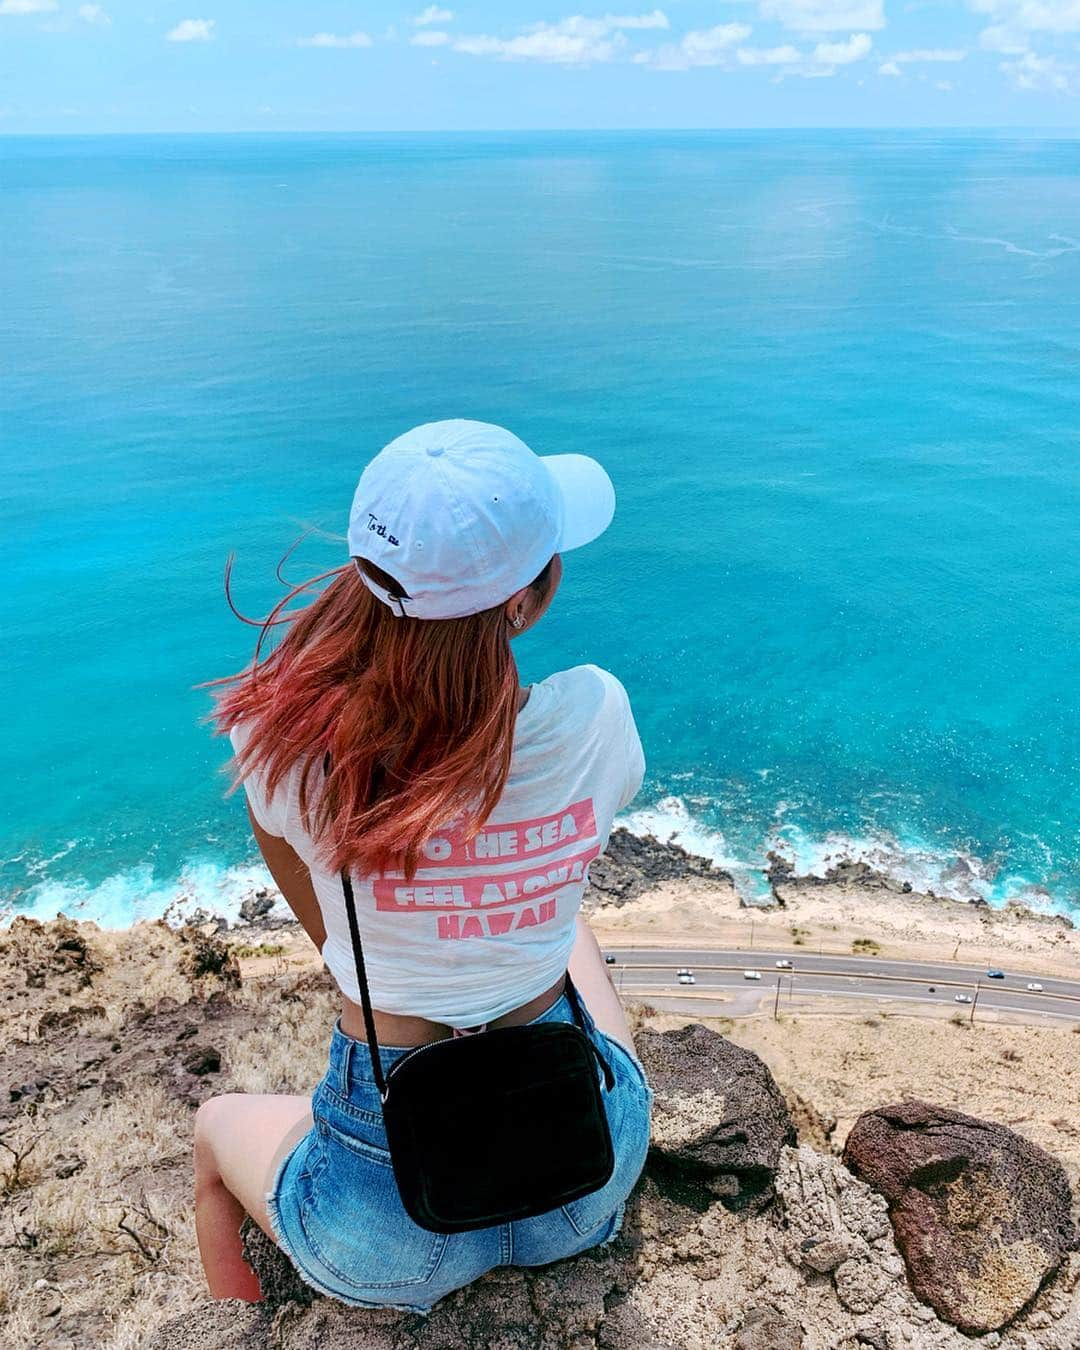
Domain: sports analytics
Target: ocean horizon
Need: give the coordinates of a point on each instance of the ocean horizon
(833, 375)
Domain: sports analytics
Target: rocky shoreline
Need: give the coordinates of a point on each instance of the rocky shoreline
(634, 865)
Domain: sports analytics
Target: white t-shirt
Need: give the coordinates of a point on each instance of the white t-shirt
(487, 923)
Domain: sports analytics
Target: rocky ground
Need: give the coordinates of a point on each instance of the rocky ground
(748, 1231)
(739, 1238)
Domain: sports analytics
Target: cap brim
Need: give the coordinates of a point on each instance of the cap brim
(588, 498)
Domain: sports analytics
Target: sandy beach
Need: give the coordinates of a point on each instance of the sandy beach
(830, 915)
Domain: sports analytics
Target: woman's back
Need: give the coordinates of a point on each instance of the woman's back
(391, 756)
(487, 922)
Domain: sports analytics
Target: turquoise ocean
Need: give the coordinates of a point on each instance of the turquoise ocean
(835, 376)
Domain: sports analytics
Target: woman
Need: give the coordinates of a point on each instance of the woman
(387, 734)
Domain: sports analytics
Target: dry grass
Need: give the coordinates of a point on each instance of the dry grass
(102, 1256)
(288, 1052)
(115, 1241)
(1026, 1077)
(98, 1257)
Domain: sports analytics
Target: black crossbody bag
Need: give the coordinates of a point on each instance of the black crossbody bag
(502, 1125)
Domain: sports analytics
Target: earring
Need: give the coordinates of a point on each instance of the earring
(519, 620)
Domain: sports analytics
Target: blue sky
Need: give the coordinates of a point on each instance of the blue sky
(217, 65)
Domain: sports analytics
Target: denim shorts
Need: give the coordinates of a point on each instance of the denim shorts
(335, 1210)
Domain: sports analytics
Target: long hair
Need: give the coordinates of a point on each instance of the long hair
(417, 716)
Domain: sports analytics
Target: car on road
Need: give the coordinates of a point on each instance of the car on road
(784, 965)
(995, 974)
(751, 974)
(963, 998)
(685, 977)
(933, 989)
(609, 960)
(1034, 988)
(684, 970)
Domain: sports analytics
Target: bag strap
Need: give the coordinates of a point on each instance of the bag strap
(361, 976)
(365, 997)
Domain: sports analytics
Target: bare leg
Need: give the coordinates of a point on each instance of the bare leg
(590, 975)
(239, 1140)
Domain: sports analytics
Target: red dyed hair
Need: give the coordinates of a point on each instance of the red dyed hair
(417, 715)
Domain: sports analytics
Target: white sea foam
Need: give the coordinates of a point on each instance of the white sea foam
(125, 897)
(953, 874)
(128, 896)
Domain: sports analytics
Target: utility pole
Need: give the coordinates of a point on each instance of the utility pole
(956, 949)
(974, 1002)
(776, 1001)
(751, 935)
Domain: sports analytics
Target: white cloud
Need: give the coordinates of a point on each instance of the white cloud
(657, 19)
(94, 14)
(843, 53)
(826, 16)
(929, 54)
(700, 47)
(191, 30)
(827, 57)
(1041, 75)
(28, 6)
(710, 46)
(575, 41)
(1037, 16)
(357, 39)
(720, 46)
(430, 37)
(769, 56)
(917, 55)
(999, 38)
(433, 14)
(1015, 20)
(544, 44)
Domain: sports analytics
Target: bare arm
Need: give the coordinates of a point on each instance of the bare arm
(293, 879)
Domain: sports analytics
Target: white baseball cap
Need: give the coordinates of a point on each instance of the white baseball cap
(463, 515)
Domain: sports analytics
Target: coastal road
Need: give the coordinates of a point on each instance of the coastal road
(651, 971)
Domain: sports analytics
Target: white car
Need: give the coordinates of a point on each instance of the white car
(684, 971)
(1035, 988)
(784, 965)
(751, 974)
(963, 998)
(686, 978)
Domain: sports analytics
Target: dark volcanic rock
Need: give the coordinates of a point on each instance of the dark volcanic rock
(778, 871)
(277, 1276)
(255, 906)
(202, 1059)
(980, 1214)
(719, 1120)
(631, 866)
(66, 1019)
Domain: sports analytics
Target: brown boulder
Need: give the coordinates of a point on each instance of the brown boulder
(980, 1214)
(719, 1120)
